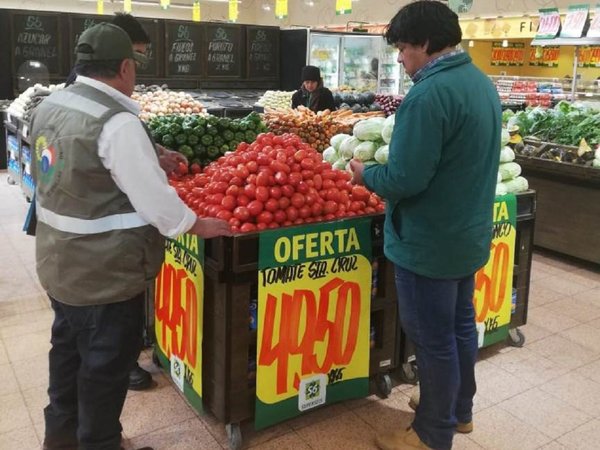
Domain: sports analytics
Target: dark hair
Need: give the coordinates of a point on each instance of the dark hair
(132, 27)
(99, 69)
(425, 21)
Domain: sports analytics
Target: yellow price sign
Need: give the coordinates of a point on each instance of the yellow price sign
(100, 6)
(343, 7)
(314, 301)
(179, 302)
(127, 6)
(233, 10)
(196, 14)
(493, 282)
(281, 9)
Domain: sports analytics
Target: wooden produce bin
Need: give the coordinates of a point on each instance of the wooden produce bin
(568, 206)
(229, 345)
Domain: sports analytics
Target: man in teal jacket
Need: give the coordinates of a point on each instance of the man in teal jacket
(439, 185)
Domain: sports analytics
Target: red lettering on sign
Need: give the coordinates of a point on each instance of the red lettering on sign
(316, 327)
(493, 286)
(181, 320)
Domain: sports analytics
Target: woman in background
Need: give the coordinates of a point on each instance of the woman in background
(312, 93)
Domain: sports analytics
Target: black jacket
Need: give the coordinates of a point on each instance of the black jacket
(320, 100)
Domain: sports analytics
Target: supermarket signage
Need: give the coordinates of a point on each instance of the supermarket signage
(100, 6)
(343, 7)
(127, 6)
(589, 56)
(314, 302)
(549, 24)
(233, 10)
(196, 13)
(179, 305)
(281, 9)
(493, 282)
(575, 21)
(511, 55)
(544, 56)
(594, 30)
(501, 28)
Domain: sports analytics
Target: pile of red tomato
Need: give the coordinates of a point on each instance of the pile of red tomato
(274, 182)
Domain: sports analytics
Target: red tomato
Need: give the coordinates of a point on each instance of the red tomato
(233, 190)
(298, 221)
(229, 202)
(261, 226)
(329, 216)
(360, 193)
(263, 160)
(370, 210)
(250, 191)
(272, 205)
(262, 193)
(373, 200)
(236, 181)
(262, 179)
(333, 195)
(242, 200)
(248, 227)
(273, 225)
(255, 207)
(195, 168)
(302, 187)
(330, 207)
(305, 212)
(292, 213)
(295, 178)
(318, 179)
(328, 183)
(225, 215)
(281, 178)
(280, 216)
(284, 202)
(182, 168)
(316, 209)
(234, 222)
(287, 190)
(297, 200)
(300, 155)
(275, 192)
(307, 163)
(241, 213)
(252, 166)
(265, 217)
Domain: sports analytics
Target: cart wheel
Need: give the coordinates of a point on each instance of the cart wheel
(516, 338)
(234, 434)
(10, 180)
(409, 373)
(384, 385)
(155, 360)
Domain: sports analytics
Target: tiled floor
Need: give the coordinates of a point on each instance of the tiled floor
(543, 396)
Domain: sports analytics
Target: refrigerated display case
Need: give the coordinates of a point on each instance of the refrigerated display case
(325, 54)
(360, 62)
(389, 71)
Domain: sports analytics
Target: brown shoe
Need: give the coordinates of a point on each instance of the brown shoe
(461, 427)
(401, 440)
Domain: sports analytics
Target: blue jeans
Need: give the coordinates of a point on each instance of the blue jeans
(93, 350)
(438, 316)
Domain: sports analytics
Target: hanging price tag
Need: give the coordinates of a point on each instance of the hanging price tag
(127, 6)
(233, 10)
(575, 21)
(281, 9)
(164, 4)
(100, 6)
(549, 24)
(594, 30)
(196, 11)
(343, 7)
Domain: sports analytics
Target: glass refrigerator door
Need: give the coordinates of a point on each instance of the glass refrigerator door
(389, 70)
(360, 63)
(325, 54)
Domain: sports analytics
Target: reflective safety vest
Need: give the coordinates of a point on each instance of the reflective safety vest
(91, 245)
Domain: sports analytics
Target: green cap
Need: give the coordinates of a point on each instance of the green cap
(105, 42)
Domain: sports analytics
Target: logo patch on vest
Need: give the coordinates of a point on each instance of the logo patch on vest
(48, 160)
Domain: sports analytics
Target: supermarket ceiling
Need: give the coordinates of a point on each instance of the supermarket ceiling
(300, 12)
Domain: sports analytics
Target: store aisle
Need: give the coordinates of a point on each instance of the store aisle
(545, 395)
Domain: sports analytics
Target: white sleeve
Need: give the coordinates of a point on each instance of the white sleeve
(126, 151)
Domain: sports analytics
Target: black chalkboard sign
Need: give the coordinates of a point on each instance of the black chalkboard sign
(35, 37)
(223, 50)
(183, 48)
(150, 69)
(262, 52)
(77, 25)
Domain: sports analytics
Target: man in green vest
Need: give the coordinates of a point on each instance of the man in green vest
(103, 207)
